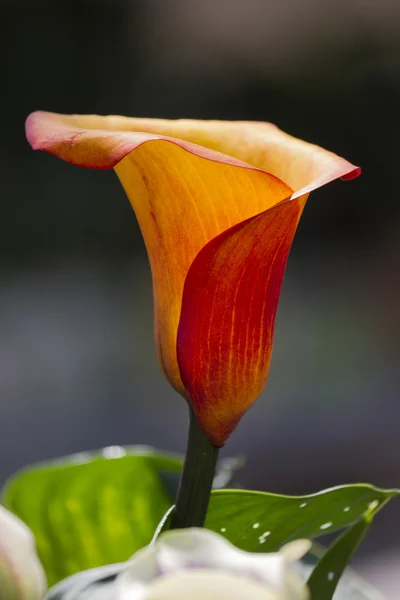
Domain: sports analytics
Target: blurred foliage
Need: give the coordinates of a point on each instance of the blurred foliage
(94, 509)
(91, 510)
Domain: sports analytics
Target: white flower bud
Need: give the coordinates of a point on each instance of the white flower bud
(21, 574)
(202, 565)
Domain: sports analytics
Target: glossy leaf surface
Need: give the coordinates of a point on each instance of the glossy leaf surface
(257, 521)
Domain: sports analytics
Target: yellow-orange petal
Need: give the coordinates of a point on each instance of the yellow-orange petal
(226, 326)
(182, 202)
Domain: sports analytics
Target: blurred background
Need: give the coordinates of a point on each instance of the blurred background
(77, 362)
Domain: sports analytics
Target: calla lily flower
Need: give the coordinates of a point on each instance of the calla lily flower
(21, 574)
(200, 564)
(218, 204)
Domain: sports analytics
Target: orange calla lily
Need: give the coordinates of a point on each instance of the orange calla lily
(218, 204)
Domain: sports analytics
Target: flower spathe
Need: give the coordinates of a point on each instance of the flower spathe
(200, 565)
(218, 204)
(21, 574)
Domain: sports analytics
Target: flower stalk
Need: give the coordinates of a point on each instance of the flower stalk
(196, 479)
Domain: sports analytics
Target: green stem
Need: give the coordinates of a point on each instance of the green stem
(196, 479)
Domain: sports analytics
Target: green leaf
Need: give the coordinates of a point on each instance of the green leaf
(261, 522)
(164, 524)
(329, 569)
(331, 566)
(93, 509)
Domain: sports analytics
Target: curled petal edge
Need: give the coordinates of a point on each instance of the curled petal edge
(101, 142)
